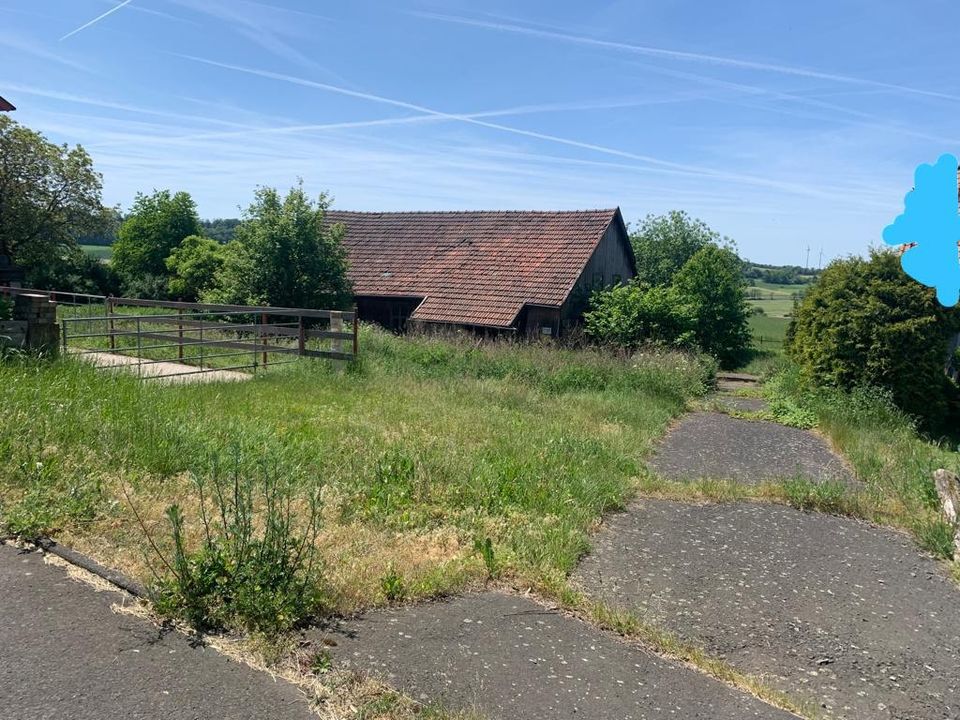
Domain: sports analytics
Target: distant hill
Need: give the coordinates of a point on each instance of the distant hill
(778, 274)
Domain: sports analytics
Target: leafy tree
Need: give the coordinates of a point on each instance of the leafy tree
(664, 243)
(221, 229)
(866, 323)
(711, 282)
(194, 264)
(634, 314)
(285, 254)
(73, 270)
(156, 225)
(106, 234)
(49, 194)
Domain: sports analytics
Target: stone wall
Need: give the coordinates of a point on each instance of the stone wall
(39, 314)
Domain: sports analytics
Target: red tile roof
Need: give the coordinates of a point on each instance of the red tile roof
(471, 268)
(5, 106)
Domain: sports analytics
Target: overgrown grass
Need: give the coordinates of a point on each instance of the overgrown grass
(420, 452)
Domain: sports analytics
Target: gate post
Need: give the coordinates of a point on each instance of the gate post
(113, 339)
(356, 333)
(263, 321)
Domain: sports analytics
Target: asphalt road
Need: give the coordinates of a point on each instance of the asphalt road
(65, 654)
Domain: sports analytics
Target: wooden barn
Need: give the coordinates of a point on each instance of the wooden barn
(527, 273)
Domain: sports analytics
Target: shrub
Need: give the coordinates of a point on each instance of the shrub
(194, 264)
(866, 323)
(285, 254)
(631, 315)
(665, 243)
(712, 284)
(256, 569)
(689, 291)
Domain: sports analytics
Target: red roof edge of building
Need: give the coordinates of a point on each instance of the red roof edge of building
(6, 106)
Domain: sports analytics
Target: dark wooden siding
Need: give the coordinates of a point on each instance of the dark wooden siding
(536, 321)
(390, 312)
(610, 263)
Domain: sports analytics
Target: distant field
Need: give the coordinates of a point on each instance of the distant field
(101, 252)
(768, 333)
(776, 300)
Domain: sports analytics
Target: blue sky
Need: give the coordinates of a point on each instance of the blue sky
(781, 124)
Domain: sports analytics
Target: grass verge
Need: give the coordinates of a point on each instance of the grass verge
(435, 462)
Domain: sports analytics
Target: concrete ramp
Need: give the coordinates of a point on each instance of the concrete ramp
(166, 372)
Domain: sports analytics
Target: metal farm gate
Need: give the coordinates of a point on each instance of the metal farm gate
(200, 337)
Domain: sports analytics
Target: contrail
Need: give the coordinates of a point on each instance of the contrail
(683, 55)
(96, 19)
(470, 120)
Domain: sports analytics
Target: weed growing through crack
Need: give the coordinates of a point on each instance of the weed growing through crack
(484, 548)
(828, 496)
(393, 587)
(255, 568)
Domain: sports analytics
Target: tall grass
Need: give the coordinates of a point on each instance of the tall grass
(419, 450)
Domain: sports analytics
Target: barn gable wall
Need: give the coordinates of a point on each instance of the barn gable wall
(611, 263)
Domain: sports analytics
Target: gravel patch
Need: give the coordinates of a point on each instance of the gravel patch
(509, 657)
(718, 446)
(829, 608)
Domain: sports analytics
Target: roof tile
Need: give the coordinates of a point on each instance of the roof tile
(471, 268)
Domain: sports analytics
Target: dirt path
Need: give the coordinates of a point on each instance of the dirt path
(65, 654)
(509, 657)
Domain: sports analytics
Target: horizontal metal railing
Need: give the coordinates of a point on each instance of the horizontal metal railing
(194, 329)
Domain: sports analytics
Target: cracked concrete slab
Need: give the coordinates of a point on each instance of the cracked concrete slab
(847, 615)
(65, 654)
(708, 445)
(509, 657)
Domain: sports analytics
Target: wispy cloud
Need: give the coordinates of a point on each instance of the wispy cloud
(97, 19)
(247, 131)
(112, 105)
(35, 49)
(266, 26)
(721, 60)
(812, 191)
(863, 119)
